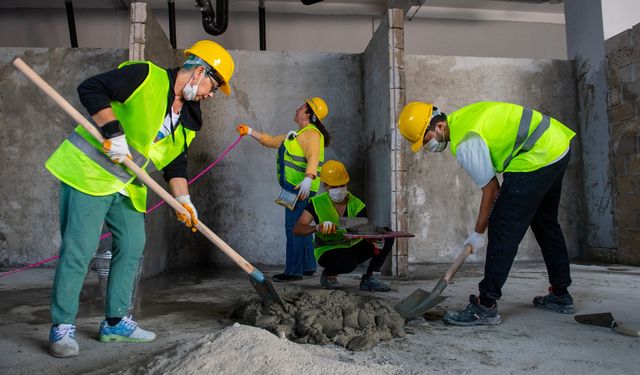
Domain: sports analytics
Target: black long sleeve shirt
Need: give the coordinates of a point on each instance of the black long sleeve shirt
(97, 93)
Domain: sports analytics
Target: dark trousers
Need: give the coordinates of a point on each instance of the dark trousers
(526, 199)
(339, 261)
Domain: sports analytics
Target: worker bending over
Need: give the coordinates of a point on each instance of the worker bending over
(332, 251)
(532, 151)
(145, 113)
(299, 162)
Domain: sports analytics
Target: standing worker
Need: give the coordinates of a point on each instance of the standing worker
(144, 113)
(532, 151)
(332, 251)
(300, 157)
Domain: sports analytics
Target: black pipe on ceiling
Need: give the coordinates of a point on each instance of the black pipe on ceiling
(172, 22)
(214, 25)
(263, 26)
(309, 2)
(72, 24)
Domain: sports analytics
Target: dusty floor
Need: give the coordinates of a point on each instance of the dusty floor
(188, 308)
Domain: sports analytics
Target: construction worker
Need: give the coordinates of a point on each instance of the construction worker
(333, 252)
(532, 151)
(300, 157)
(145, 113)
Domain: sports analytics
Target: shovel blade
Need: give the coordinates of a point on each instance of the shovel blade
(418, 303)
(268, 294)
(601, 319)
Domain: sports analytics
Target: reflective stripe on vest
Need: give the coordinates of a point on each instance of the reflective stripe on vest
(325, 210)
(103, 159)
(524, 144)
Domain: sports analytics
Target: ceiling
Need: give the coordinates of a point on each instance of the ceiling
(508, 10)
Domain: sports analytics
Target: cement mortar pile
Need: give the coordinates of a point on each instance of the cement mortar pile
(322, 317)
(248, 350)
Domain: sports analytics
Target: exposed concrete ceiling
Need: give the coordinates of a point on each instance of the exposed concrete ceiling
(545, 11)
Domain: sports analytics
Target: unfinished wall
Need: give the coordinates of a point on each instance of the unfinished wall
(623, 60)
(442, 200)
(32, 126)
(236, 198)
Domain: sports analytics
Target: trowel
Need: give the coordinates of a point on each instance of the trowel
(420, 301)
(606, 320)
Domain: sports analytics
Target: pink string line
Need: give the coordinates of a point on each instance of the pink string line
(108, 234)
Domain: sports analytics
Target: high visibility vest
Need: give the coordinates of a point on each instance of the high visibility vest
(80, 162)
(291, 163)
(326, 211)
(519, 139)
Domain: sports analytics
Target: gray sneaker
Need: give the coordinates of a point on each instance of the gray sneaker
(62, 341)
(329, 282)
(473, 315)
(373, 283)
(561, 304)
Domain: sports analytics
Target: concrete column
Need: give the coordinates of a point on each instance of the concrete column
(585, 45)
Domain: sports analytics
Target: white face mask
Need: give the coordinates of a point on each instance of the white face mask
(338, 194)
(434, 146)
(189, 92)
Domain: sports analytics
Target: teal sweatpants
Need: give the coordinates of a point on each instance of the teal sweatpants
(81, 219)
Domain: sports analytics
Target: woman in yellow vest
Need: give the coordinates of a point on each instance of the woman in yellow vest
(148, 114)
(531, 150)
(332, 251)
(299, 162)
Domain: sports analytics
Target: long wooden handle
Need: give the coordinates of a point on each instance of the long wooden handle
(139, 172)
(457, 263)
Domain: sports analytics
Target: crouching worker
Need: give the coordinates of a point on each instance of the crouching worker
(332, 251)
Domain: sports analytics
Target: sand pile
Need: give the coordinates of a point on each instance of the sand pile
(248, 350)
(323, 316)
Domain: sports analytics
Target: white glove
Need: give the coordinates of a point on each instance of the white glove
(326, 227)
(378, 243)
(476, 240)
(191, 220)
(117, 148)
(305, 188)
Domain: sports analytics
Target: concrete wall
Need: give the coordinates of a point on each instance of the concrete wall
(236, 198)
(32, 126)
(442, 200)
(623, 78)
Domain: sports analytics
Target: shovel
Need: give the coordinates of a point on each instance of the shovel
(265, 289)
(606, 320)
(420, 301)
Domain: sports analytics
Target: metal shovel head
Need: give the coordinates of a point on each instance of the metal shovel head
(418, 303)
(601, 319)
(268, 294)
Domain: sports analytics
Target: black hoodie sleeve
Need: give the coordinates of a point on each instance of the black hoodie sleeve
(97, 92)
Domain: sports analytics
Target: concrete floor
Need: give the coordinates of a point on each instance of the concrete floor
(184, 307)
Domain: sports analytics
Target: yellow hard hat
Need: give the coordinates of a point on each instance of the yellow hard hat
(319, 107)
(218, 57)
(334, 173)
(413, 122)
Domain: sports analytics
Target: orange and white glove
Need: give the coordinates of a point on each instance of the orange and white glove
(189, 220)
(117, 148)
(244, 130)
(326, 227)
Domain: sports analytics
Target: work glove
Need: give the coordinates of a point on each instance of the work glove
(244, 130)
(476, 240)
(117, 148)
(305, 188)
(326, 227)
(189, 220)
(377, 244)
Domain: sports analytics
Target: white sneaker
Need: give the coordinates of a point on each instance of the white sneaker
(125, 331)
(62, 341)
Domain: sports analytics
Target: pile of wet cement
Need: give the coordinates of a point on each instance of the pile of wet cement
(326, 316)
